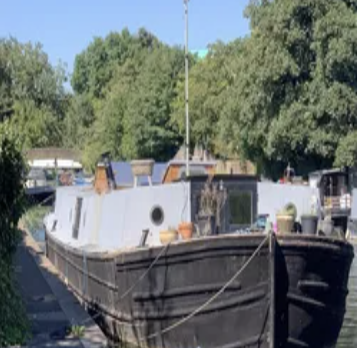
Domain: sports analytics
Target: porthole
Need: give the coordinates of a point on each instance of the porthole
(157, 215)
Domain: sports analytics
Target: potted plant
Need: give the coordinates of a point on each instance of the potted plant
(309, 222)
(285, 218)
(169, 235)
(211, 202)
(186, 230)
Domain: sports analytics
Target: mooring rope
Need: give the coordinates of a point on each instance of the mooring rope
(197, 310)
(145, 273)
(127, 292)
(212, 299)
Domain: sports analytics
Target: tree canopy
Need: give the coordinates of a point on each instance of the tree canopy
(285, 93)
(13, 323)
(295, 95)
(126, 83)
(32, 96)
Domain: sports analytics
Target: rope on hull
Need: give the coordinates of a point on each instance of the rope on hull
(211, 299)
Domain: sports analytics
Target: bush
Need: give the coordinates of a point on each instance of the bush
(13, 320)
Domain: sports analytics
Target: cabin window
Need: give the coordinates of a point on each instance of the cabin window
(76, 224)
(157, 215)
(240, 204)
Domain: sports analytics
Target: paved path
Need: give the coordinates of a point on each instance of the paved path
(51, 307)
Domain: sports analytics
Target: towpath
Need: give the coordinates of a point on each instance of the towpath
(51, 307)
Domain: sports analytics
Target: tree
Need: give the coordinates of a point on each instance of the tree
(208, 81)
(32, 96)
(347, 150)
(295, 95)
(78, 121)
(129, 81)
(95, 66)
(106, 132)
(13, 323)
(148, 131)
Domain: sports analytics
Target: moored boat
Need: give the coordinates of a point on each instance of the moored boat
(223, 287)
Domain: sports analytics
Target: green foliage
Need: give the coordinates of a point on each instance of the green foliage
(131, 101)
(39, 126)
(32, 96)
(209, 81)
(78, 121)
(34, 217)
(95, 66)
(295, 98)
(347, 151)
(147, 128)
(286, 93)
(13, 323)
(107, 128)
(77, 331)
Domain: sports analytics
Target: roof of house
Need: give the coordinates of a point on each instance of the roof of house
(50, 163)
(51, 153)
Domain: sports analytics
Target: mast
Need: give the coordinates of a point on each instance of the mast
(187, 143)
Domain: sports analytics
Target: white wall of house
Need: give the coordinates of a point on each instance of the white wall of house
(50, 163)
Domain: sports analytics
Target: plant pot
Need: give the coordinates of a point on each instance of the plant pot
(285, 223)
(290, 209)
(309, 224)
(168, 236)
(207, 225)
(186, 230)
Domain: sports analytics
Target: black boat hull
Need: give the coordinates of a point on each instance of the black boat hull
(291, 294)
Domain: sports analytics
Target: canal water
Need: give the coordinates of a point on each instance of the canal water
(348, 335)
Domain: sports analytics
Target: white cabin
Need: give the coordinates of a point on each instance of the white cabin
(115, 220)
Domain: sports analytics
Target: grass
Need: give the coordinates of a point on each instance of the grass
(33, 218)
(77, 331)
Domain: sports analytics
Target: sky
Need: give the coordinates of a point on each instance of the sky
(66, 27)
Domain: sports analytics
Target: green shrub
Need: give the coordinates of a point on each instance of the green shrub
(33, 218)
(13, 320)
